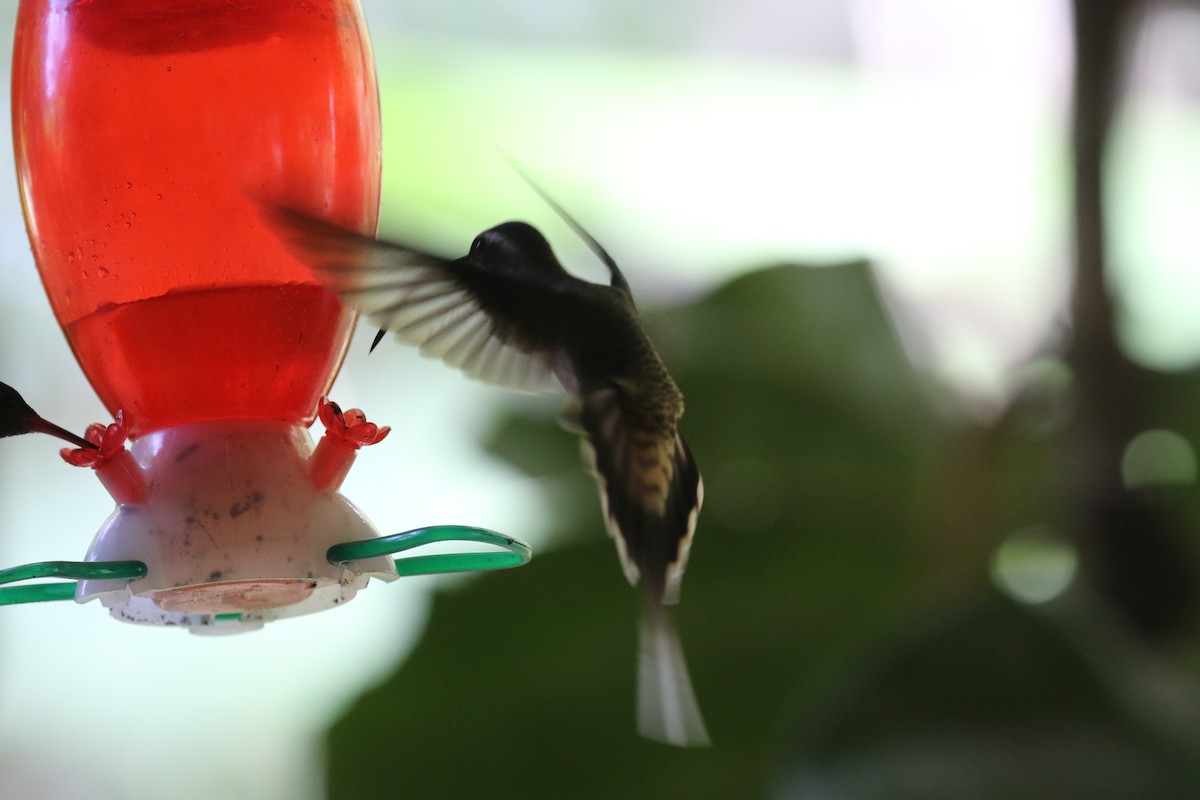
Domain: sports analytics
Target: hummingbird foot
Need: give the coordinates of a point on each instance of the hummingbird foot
(345, 433)
(114, 465)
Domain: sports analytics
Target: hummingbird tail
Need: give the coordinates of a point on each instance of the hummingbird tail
(667, 707)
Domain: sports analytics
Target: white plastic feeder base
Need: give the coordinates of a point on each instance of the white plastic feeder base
(232, 531)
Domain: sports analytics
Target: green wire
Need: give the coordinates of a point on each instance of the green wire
(78, 570)
(39, 593)
(516, 552)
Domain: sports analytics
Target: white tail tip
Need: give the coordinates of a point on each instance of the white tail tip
(667, 707)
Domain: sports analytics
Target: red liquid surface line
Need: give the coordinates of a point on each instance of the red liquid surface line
(258, 352)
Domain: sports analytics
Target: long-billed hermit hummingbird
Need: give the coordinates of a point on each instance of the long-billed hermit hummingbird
(508, 313)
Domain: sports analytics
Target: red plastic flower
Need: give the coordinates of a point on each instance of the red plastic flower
(110, 440)
(350, 427)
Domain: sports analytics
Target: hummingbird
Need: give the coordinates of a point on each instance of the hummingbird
(16, 417)
(508, 313)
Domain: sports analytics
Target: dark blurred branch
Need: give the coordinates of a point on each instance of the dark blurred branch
(1101, 35)
(1130, 554)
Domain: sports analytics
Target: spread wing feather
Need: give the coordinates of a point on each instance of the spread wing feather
(453, 310)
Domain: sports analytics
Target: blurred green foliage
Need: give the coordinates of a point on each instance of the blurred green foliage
(842, 633)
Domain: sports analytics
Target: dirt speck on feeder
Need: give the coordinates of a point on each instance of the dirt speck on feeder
(187, 451)
(241, 507)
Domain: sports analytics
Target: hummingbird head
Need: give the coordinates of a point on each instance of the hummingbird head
(515, 248)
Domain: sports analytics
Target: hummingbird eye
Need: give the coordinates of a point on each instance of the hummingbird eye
(479, 246)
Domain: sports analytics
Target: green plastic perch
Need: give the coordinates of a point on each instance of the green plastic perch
(512, 553)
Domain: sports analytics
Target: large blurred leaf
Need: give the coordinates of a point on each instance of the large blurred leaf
(843, 638)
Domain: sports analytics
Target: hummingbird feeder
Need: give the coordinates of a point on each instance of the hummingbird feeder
(147, 135)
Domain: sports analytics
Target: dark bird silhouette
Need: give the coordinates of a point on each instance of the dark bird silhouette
(508, 313)
(16, 417)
